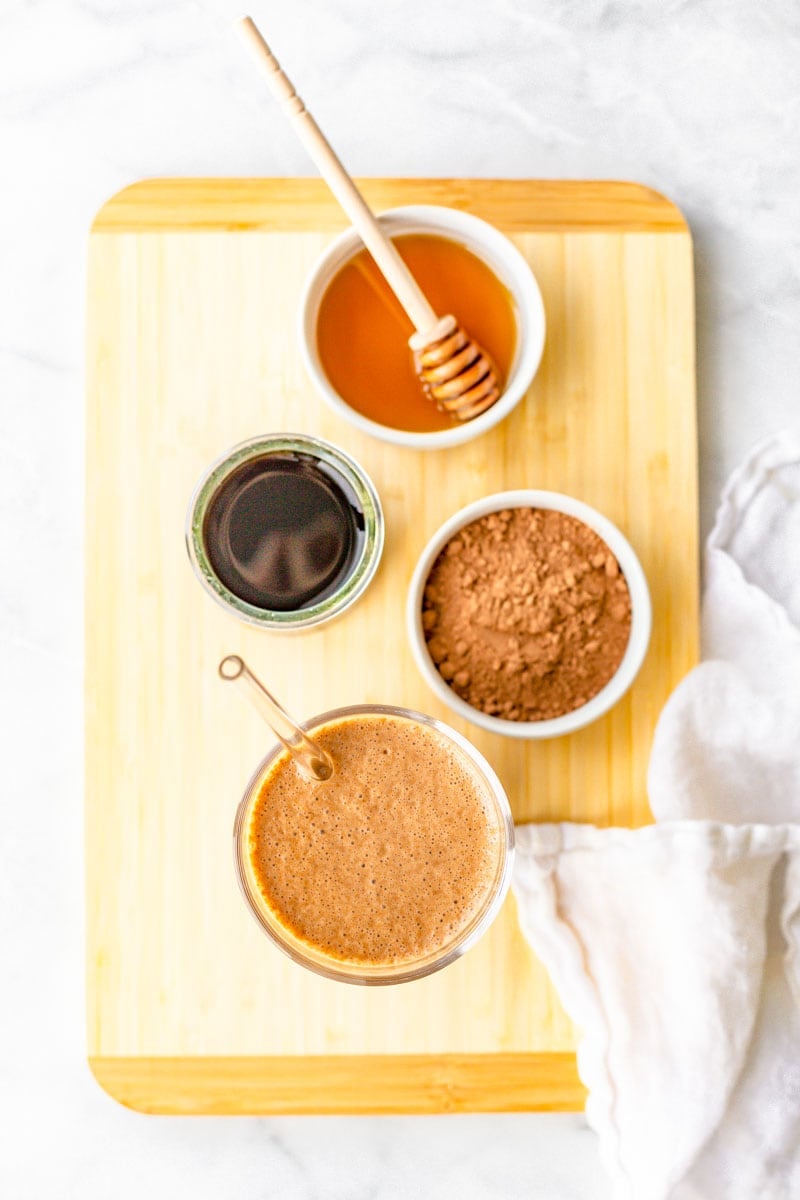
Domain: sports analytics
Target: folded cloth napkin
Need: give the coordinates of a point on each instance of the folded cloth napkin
(676, 948)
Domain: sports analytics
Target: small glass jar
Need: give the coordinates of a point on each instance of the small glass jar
(317, 960)
(350, 478)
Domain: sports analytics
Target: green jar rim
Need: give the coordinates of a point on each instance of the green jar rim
(355, 582)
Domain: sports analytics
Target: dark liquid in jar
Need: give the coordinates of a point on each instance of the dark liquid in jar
(283, 532)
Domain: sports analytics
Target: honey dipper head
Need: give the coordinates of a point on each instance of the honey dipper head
(454, 371)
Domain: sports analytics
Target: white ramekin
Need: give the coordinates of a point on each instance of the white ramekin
(641, 613)
(498, 253)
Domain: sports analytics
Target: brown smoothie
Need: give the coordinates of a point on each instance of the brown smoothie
(389, 860)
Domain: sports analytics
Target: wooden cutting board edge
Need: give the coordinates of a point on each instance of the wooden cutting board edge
(375, 1085)
(303, 203)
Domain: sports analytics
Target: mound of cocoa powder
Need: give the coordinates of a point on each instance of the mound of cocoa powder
(526, 613)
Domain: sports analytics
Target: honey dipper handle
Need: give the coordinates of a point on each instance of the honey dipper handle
(382, 249)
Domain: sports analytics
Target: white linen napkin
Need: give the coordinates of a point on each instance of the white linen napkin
(676, 948)
(727, 745)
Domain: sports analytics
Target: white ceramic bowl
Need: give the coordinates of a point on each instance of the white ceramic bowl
(498, 253)
(641, 613)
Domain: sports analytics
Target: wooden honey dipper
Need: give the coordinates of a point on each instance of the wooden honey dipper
(453, 370)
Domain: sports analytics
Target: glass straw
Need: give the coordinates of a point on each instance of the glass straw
(312, 761)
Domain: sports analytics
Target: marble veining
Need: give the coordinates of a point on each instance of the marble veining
(698, 98)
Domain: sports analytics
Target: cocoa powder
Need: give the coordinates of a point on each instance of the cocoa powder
(526, 614)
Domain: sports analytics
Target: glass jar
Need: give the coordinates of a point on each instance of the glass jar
(360, 972)
(350, 479)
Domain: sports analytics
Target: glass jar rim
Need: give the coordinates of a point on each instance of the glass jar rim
(404, 972)
(357, 579)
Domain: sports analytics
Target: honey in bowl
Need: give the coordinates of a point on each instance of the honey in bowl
(363, 332)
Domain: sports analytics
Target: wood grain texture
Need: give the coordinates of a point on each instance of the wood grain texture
(334, 1084)
(191, 348)
(302, 204)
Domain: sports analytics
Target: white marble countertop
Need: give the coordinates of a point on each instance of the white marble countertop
(698, 98)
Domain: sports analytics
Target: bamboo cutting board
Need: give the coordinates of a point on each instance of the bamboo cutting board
(192, 308)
